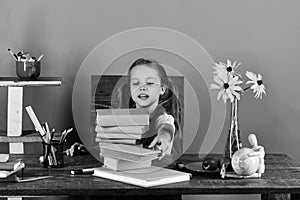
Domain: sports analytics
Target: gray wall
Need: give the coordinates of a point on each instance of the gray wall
(262, 35)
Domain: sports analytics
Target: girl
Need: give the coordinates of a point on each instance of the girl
(149, 87)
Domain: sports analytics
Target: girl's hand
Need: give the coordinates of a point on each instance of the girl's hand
(74, 149)
(162, 143)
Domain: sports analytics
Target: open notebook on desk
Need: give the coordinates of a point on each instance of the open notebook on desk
(7, 169)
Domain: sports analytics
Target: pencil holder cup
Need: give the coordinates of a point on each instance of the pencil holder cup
(53, 154)
(28, 70)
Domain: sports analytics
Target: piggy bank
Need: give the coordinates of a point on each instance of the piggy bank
(243, 164)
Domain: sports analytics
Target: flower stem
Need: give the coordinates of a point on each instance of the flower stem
(246, 88)
(236, 123)
(231, 130)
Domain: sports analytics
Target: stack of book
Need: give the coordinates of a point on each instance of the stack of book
(120, 157)
(121, 126)
(118, 132)
(132, 164)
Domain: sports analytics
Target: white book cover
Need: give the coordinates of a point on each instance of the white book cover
(131, 149)
(128, 152)
(115, 141)
(118, 136)
(122, 129)
(8, 169)
(145, 177)
(122, 117)
(121, 165)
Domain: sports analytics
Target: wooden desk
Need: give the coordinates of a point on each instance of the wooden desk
(282, 177)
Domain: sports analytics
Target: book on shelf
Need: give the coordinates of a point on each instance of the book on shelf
(122, 129)
(122, 117)
(145, 177)
(128, 152)
(115, 141)
(121, 165)
(4, 157)
(9, 168)
(118, 136)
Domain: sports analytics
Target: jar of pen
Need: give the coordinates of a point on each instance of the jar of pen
(27, 67)
(53, 154)
(53, 148)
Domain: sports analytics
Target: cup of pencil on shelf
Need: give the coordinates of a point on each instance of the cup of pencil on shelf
(27, 67)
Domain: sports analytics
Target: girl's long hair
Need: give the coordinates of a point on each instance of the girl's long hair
(169, 100)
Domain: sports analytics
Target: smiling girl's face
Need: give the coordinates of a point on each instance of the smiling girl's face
(145, 87)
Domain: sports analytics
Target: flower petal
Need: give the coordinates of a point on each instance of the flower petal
(251, 76)
(229, 63)
(225, 97)
(218, 80)
(237, 88)
(220, 94)
(224, 77)
(237, 65)
(236, 94)
(214, 86)
(229, 94)
(248, 82)
(259, 77)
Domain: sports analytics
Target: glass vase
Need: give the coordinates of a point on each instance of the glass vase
(233, 142)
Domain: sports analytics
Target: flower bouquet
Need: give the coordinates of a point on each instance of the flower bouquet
(229, 83)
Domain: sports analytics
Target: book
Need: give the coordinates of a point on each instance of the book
(145, 177)
(115, 141)
(35, 121)
(122, 117)
(4, 157)
(118, 136)
(9, 168)
(121, 165)
(122, 129)
(128, 152)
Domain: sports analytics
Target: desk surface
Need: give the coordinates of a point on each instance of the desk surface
(282, 175)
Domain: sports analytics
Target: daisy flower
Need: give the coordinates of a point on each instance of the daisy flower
(228, 86)
(258, 86)
(222, 69)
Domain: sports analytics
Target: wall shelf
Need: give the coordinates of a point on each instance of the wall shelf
(15, 108)
(29, 136)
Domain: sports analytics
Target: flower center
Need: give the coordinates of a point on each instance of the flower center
(229, 69)
(259, 82)
(226, 85)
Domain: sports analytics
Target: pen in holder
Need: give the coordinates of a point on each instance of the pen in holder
(53, 154)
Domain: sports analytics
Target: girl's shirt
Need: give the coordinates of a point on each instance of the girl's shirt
(159, 120)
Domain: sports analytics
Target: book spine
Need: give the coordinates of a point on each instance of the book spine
(116, 141)
(119, 165)
(123, 111)
(122, 120)
(122, 129)
(118, 136)
(120, 155)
